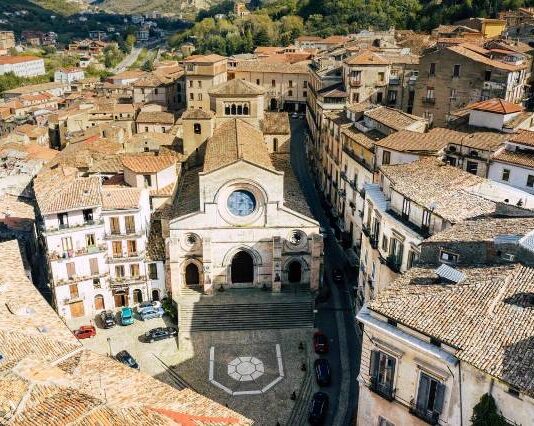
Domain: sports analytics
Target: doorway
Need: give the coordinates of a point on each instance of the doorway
(192, 275)
(155, 295)
(121, 299)
(137, 296)
(295, 272)
(99, 302)
(274, 105)
(242, 268)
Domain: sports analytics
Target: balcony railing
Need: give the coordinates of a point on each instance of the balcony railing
(67, 254)
(394, 263)
(51, 230)
(126, 281)
(431, 417)
(117, 235)
(422, 231)
(355, 82)
(78, 278)
(385, 390)
(428, 101)
(126, 257)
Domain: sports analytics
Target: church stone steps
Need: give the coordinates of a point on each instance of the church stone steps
(246, 316)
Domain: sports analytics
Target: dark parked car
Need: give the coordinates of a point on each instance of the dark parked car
(108, 319)
(127, 359)
(322, 372)
(337, 276)
(160, 333)
(320, 343)
(318, 408)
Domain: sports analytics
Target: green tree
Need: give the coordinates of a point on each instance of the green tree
(485, 413)
(130, 41)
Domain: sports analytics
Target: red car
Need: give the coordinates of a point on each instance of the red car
(85, 332)
(320, 343)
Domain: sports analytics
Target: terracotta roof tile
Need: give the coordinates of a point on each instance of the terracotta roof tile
(523, 137)
(157, 117)
(495, 105)
(470, 52)
(237, 86)
(517, 158)
(147, 163)
(366, 58)
(431, 142)
(393, 118)
(118, 198)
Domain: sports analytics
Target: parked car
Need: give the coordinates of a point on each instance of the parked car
(320, 343)
(127, 359)
(85, 332)
(322, 372)
(318, 408)
(108, 319)
(149, 313)
(337, 276)
(160, 333)
(294, 115)
(148, 304)
(127, 316)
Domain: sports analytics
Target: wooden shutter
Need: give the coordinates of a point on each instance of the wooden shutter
(375, 361)
(390, 373)
(71, 269)
(422, 392)
(440, 394)
(93, 266)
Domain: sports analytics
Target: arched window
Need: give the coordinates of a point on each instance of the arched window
(197, 128)
(233, 109)
(275, 144)
(239, 110)
(227, 110)
(245, 109)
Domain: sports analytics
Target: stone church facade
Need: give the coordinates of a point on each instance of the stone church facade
(239, 219)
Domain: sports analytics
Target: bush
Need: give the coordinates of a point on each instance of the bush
(170, 308)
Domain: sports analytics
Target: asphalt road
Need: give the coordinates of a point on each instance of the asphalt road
(127, 61)
(335, 317)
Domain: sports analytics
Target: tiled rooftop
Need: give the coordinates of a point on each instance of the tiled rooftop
(393, 118)
(431, 142)
(236, 86)
(275, 123)
(140, 163)
(487, 317)
(155, 117)
(120, 198)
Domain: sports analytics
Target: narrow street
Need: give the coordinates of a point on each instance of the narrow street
(334, 317)
(127, 61)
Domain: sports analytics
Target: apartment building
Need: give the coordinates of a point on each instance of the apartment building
(285, 84)
(432, 348)
(68, 75)
(201, 74)
(95, 238)
(453, 77)
(154, 121)
(163, 87)
(22, 66)
(366, 77)
(410, 203)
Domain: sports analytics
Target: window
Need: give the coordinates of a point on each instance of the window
(384, 422)
(453, 94)
(456, 71)
(146, 128)
(392, 96)
(448, 257)
(63, 219)
(396, 249)
(381, 77)
(156, 91)
(513, 391)
(379, 97)
(425, 225)
(90, 240)
(163, 130)
(147, 180)
(119, 271)
(430, 93)
(88, 216)
(432, 70)
(356, 97)
(114, 225)
(413, 257)
(199, 84)
(472, 167)
(191, 96)
(530, 181)
(382, 373)
(240, 110)
(93, 266)
(153, 271)
(66, 243)
(405, 208)
(305, 94)
(290, 93)
(233, 109)
(190, 83)
(290, 83)
(386, 157)
(197, 128)
(73, 291)
(305, 84)
(385, 243)
(258, 81)
(275, 144)
(273, 83)
(245, 109)
(227, 110)
(134, 270)
(199, 97)
(505, 175)
(130, 224)
(116, 247)
(132, 247)
(487, 75)
(430, 393)
(71, 270)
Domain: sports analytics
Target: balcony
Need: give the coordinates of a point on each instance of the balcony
(366, 231)
(421, 231)
(428, 101)
(394, 81)
(385, 390)
(77, 278)
(63, 228)
(373, 241)
(118, 235)
(121, 282)
(431, 417)
(126, 257)
(394, 263)
(55, 255)
(381, 83)
(355, 82)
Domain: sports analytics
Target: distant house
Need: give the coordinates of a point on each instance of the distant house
(68, 75)
(22, 66)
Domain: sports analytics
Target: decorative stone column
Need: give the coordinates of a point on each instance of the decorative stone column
(207, 269)
(277, 265)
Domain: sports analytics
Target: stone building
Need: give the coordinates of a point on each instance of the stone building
(455, 76)
(202, 72)
(366, 77)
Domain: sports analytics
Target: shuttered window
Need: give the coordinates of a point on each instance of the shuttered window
(430, 394)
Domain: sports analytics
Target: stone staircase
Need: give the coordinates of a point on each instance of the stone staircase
(288, 311)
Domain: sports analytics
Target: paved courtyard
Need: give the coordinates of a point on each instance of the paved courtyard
(253, 372)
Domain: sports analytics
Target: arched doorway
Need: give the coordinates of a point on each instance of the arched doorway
(242, 268)
(137, 296)
(155, 295)
(121, 299)
(99, 302)
(192, 275)
(294, 272)
(274, 104)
